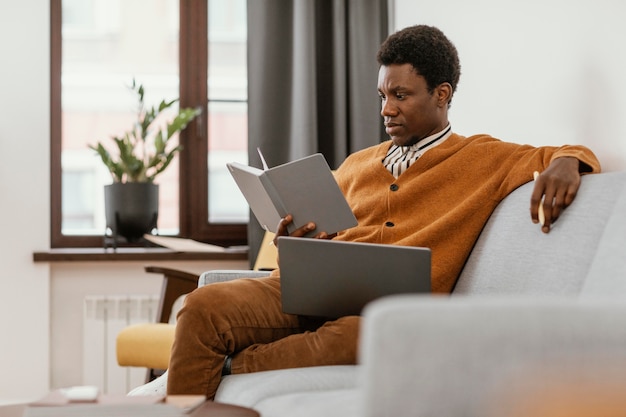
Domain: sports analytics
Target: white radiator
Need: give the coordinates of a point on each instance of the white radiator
(103, 318)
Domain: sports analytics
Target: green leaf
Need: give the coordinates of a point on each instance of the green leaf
(159, 143)
(166, 163)
(141, 153)
(166, 105)
(182, 119)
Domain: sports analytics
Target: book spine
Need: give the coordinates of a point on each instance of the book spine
(274, 195)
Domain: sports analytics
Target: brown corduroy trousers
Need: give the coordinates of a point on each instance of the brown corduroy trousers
(244, 319)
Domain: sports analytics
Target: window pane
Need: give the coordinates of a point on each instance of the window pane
(227, 127)
(107, 43)
(227, 143)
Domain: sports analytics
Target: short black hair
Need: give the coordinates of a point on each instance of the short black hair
(428, 50)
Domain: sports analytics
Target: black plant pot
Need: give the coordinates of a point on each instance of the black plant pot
(131, 209)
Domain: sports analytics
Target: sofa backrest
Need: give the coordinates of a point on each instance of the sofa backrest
(607, 274)
(513, 256)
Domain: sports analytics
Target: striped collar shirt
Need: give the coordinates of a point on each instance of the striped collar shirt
(399, 158)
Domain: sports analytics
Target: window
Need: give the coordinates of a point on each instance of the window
(227, 85)
(97, 48)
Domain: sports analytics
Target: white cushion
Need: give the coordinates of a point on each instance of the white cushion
(155, 387)
(278, 392)
(333, 403)
(248, 390)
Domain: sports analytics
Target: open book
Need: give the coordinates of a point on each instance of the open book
(304, 188)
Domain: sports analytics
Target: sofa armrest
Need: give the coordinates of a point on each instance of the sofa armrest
(223, 275)
(479, 356)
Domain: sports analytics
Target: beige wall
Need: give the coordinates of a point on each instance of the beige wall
(72, 281)
(40, 304)
(537, 71)
(24, 187)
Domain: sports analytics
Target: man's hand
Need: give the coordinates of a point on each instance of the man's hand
(307, 228)
(555, 189)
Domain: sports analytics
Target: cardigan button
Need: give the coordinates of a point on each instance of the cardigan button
(389, 224)
(394, 187)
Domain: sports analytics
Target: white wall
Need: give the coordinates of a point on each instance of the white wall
(24, 191)
(40, 304)
(536, 71)
(71, 282)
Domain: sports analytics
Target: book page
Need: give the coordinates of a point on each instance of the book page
(183, 245)
(265, 167)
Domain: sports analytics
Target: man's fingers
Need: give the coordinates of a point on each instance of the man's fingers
(570, 195)
(309, 227)
(282, 229)
(551, 205)
(555, 189)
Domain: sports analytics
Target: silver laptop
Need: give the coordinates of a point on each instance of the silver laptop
(332, 279)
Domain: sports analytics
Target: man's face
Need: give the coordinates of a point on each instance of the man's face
(410, 112)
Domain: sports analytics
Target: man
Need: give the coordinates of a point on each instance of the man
(425, 187)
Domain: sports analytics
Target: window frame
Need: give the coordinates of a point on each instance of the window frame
(193, 166)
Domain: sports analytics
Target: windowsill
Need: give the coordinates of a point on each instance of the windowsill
(134, 254)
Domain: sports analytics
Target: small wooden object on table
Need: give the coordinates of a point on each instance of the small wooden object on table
(192, 406)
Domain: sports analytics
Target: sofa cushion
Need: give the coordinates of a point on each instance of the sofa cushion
(513, 256)
(278, 389)
(250, 389)
(145, 345)
(328, 403)
(156, 387)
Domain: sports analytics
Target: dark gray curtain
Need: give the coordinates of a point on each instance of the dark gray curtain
(312, 77)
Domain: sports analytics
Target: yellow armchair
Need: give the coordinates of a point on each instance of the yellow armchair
(148, 345)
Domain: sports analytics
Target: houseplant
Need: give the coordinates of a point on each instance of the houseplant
(141, 154)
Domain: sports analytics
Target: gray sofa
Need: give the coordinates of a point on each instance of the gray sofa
(530, 313)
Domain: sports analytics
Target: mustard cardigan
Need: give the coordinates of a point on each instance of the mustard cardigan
(444, 199)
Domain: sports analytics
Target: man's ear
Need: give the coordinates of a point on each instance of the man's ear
(444, 94)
